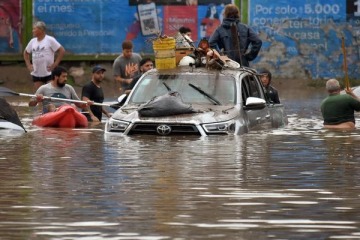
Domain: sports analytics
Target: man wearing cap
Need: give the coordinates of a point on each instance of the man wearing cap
(92, 91)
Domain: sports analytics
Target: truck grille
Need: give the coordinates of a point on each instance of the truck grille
(164, 129)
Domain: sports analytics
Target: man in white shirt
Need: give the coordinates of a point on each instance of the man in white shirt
(42, 49)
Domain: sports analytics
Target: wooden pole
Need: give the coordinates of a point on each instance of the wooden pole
(346, 79)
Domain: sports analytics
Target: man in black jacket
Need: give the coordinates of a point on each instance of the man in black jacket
(234, 38)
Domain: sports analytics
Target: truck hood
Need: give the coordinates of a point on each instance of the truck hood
(203, 114)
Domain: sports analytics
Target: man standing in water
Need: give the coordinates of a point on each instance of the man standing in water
(338, 109)
(92, 91)
(126, 65)
(42, 49)
(146, 64)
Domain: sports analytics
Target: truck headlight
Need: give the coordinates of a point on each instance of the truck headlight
(117, 125)
(220, 127)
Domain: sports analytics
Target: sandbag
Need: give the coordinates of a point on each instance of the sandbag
(168, 104)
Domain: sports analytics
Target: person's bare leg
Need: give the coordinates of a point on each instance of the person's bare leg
(345, 125)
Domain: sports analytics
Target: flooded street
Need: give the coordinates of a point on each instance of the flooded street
(298, 182)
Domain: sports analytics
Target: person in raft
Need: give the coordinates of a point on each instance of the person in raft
(58, 88)
(338, 109)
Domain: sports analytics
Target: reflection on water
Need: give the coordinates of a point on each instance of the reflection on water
(298, 182)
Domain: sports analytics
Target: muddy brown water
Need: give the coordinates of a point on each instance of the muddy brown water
(298, 182)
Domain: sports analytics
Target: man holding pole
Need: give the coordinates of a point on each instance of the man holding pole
(92, 91)
(338, 109)
(57, 88)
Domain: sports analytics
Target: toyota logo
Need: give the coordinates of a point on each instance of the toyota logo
(163, 130)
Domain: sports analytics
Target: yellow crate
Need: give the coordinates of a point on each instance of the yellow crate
(164, 49)
(164, 53)
(164, 43)
(165, 63)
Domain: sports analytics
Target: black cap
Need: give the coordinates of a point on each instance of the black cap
(98, 68)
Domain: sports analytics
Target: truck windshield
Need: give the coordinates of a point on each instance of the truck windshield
(220, 87)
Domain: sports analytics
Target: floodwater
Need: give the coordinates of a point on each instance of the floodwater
(298, 182)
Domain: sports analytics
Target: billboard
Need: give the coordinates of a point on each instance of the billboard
(99, 27)
(306, 35)
(10, 26)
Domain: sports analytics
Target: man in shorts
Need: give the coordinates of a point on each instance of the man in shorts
(42, 49)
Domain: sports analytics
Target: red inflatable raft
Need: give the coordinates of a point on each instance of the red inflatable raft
(66, 116)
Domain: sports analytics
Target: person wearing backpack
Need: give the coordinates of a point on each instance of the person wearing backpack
(235, 39)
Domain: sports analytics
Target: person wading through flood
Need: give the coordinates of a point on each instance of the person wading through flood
(126, 65)
(92, 91)
(146, 64)
(338, 109)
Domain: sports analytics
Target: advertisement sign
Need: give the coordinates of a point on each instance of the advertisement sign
(176, 17)
(10, 26)
(307, 32)
(100, 26)
(298, 20)
(148, 19)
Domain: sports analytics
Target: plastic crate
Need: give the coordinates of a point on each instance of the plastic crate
(164, 43)
(164, 49)
(165, 63)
